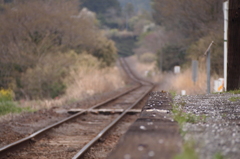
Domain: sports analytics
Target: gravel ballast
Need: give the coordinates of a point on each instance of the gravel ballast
(220, 132)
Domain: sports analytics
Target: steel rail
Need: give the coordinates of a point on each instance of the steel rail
(106, 129)
(30, 137)
(63, 121)
(132, 75)
(114, 122)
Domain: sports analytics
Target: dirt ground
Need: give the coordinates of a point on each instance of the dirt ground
(64, 141)
(20, 126)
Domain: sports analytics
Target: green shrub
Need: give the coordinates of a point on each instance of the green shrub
(182, 117)
(106, 52)
(170, 56)
(6, 95)
(188, 152)
(6, 103)
(234, 91)
(218, 156)
(11, 107)
(46, 80)
(234, 99)
(147, 58)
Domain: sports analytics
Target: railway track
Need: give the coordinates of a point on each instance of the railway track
(75, 135)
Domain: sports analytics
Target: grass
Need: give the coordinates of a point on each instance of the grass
(83, 82)
(234, 99)
(183, 81)
(173, 93)
(218, 156)
(188, 151)
(183, 117)
(234, 92)
(88, 81)
(7, 105)
(11, 107)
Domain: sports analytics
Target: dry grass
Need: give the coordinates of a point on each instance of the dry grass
(84, 82)
(170, 81)
(85, 78)
(87, 82)
(184, 81)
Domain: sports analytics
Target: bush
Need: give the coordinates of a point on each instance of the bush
(147, 58)
(6, 95)
(46, 79)
(6, 103)
(106, 52)
(8, 107)
(170, 56)
(35, 40)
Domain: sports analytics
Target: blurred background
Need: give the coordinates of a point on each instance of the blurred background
(67, 49)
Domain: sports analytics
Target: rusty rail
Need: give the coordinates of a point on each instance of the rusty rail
(7, 148)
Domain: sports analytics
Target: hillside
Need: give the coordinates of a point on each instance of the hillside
(138, 4)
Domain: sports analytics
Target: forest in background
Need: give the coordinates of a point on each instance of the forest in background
(171, 33)
(38, 37)
(185, 30)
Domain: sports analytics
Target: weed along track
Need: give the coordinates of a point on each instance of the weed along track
(73, 136)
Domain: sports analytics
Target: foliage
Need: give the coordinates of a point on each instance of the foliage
(173, 93)
(138, 4)
(108, 11)
(170, 56)
(6, 103)
(125, 45)
(182, 117)
(100, 6)
(193, 25)
(234, 99)
(234, 91)
(10, 107)
(197, 49)
(6, 95)
(40, 41)
(147, 58)
(105, 51)
(48, 79)
(188, 151)
(218, 156)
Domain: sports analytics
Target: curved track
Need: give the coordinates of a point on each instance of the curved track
(126, 100)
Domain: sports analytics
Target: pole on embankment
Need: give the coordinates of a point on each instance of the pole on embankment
(209, 71)
(208, 54)
(225, 12)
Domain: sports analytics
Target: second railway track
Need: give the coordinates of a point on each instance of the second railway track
(73, 136)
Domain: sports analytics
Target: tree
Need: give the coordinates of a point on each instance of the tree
(107, 11)
(100, 6)
(170, 56)
(35, 39)
(196, 24)
(139, 5)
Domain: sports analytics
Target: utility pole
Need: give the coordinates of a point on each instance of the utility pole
(208, 54)
(209, 71)
(225, 12)
(233, 68)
